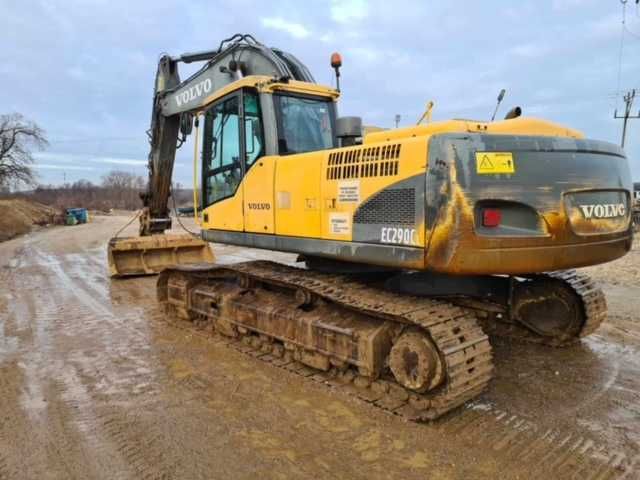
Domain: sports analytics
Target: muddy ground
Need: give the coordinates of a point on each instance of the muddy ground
(95, 384)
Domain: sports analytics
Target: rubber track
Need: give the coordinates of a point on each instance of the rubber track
(4, 470)
(463, 345)
(594, 306)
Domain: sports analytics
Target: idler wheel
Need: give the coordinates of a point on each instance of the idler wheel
(415, 363)
(549, 308)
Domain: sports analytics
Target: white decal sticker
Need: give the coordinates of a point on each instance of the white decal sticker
(349, 191)
(607, 210)
(340, 223)
(194, 92)
(403, 236)
(284, 200)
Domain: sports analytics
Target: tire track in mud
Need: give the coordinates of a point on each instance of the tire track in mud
(4, 468)
(140, 453)
(142, 449)
(66, 436)
(66, 447)
(142, 446)
(551, 452)
(118, 368)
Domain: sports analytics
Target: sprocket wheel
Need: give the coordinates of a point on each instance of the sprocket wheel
(415, 363)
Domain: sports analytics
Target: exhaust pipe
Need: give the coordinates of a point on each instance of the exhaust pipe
(515, 112)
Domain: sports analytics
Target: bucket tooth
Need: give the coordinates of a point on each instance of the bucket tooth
(151, 254)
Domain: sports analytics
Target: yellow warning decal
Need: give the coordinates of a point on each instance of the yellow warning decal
(494, 162)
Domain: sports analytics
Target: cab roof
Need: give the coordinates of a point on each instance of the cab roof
(266, 84)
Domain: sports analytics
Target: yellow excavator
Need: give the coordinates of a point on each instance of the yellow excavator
(414, 243)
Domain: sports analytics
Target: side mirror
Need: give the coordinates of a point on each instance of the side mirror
(186, 124)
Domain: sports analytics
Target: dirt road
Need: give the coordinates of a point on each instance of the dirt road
(95, 384)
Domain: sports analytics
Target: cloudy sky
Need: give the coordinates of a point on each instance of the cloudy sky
(84, 69)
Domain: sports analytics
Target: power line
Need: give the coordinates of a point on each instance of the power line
(622, 29)
(624, 17)
(631, 33)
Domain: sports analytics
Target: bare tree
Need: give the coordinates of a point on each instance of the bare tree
(124, 188)
(18, 136)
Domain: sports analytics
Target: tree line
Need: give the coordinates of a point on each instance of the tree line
(117, 190)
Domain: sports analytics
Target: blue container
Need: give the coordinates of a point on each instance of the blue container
(81, 215)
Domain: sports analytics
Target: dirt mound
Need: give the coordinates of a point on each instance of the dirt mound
(17, 216)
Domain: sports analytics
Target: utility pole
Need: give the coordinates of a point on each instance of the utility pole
(628, 100)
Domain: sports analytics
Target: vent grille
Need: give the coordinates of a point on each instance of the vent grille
(397, 206)
(364, 162)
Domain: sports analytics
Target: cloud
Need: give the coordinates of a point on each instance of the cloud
(607, 26)
(560, 60)
(346, 11)
(563, 5)
(58, 157)
(364, 54)
(529, 50)
(120, 161)
(70, 158)
(48, 166)
(296, 30)
(77, 73)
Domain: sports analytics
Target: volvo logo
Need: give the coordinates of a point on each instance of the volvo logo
(259, 206)
(194, 92)
(604, 210)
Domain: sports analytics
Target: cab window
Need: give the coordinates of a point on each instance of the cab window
(221, 150)
(254, 138)
(305, 123)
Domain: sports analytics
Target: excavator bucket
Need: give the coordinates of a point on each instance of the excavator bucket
(151, 254)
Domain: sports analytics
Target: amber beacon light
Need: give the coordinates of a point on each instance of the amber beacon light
(336, 63)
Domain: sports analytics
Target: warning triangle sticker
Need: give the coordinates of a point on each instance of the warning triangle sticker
(486, 164)
(491, 163)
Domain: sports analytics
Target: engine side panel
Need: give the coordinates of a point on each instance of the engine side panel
(375, 194)
(358, 204)
(564, 203)
(419, 204)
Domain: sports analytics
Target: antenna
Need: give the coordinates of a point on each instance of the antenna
(427, 113)
(500, 97)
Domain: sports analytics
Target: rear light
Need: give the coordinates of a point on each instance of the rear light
(491, 217)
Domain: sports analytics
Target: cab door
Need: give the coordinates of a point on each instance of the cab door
(260, 169)
(223, 165)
